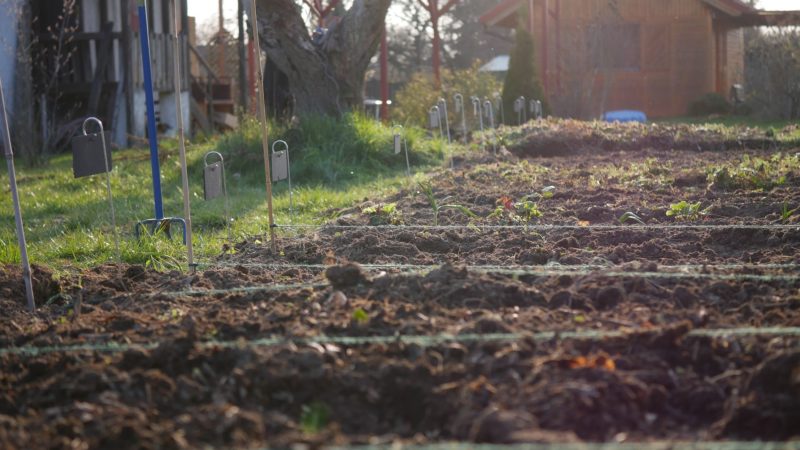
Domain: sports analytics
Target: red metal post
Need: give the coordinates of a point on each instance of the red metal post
(436, 13)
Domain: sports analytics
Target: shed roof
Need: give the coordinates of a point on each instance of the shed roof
(497, 64)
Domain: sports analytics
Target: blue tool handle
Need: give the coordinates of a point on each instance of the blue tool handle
(144, 34)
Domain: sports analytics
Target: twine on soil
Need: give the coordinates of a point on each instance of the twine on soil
(708, 445)
(575, 267)
(503, 270)
(547, 227)
(423, 341)
(241, 290)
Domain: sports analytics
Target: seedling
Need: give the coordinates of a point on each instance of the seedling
(360, 316)
(754, 173)
(629, 216)
(523, 211)
(686, 211)
(383, 214)
(314, 417)
(438, 205)
(787, 213)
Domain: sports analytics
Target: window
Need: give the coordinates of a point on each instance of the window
(616, 46)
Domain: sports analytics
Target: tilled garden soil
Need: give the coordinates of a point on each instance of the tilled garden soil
(262, 349)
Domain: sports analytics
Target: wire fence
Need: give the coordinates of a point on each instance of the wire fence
(420, 340)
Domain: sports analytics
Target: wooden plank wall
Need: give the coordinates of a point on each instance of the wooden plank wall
(677, 61)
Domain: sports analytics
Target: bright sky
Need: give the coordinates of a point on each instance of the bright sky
(206, 10)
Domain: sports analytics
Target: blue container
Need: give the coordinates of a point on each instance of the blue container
(625, 116)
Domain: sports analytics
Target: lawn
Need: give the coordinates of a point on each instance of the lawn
(68, 222)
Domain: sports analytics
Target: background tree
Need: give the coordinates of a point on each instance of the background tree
(435, 13)
(521, 79)
(326, 73)
(466, 40)
(772, 74)
(409, 43)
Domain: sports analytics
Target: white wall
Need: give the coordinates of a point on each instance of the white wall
(8, 48)
(168, 116)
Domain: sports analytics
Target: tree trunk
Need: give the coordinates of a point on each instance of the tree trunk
(326, 76)
(437, 50)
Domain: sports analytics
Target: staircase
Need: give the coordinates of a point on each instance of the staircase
(212, 105)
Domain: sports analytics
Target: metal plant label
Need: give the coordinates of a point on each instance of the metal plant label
(397, 144)
(280, 166)
(433, 119)
(212, 181)
(87, 155)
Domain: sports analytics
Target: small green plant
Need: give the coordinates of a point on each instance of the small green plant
(629, 216)
(314, 417)
(686, 211)
(439, 205)
(754, 173)
(787, 213)
(526, 210)
(383, 214)
(360, 316)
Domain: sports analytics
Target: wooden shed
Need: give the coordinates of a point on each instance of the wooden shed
(651, 55)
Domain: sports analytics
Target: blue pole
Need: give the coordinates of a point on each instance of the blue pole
(144, 33)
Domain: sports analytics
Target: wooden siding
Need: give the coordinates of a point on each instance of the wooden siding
(162, 55)
(678, 58)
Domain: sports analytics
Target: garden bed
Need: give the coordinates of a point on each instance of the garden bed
(505, 302)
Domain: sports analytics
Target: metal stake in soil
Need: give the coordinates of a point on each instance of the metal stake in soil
(477, 111)
(399, 138)
(458, 99)
(214, 184)
(107, 169)
(262, 113)
(12, 179)
(187, 206)
(282, 170)
(521, 110)
(489, 111)
(443, 104)
(498, 100)
(536, 109)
